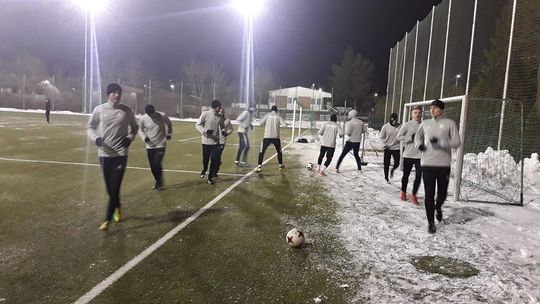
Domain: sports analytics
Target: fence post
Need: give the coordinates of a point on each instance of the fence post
(429, 51)
(471, 49)
(521, 152)
(414, 60)
(506, 75)
(395, 77)
(446, 47)
(387, 84)
(403, 74)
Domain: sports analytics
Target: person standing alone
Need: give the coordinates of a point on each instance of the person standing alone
(354, 129)
(209, 125)
(271, 122)
(391, 145)
(328, 132)
(436, 138)
(155, 128)
(112, 127)
(47, 109)
(411, 155)
(244, 125)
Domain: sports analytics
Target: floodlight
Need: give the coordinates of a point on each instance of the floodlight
(92, 6)
(248, 7)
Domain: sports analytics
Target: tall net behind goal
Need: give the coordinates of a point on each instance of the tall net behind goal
(488, 167)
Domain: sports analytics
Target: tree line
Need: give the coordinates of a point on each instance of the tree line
(200, 81)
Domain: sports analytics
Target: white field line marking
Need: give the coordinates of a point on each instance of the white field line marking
(98, 165)
(115, 276)
(187, 139)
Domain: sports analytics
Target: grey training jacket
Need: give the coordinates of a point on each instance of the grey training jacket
(405, 135)
(389, 136)
(244, 121)
(437, 154)
(111, 122)
(271, 123)
(328, 132)
(209, 120)
(354, 130)
(155, 127)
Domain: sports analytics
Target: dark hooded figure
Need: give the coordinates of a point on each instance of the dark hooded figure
(391, 144)
(47, 109)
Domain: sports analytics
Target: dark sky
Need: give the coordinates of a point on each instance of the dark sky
(296, 39)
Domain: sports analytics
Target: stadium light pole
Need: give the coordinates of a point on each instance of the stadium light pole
(248, 9)
(90, 8)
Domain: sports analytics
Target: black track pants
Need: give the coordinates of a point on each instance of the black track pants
(348, 147)
(113, 172)
(408, 164)
(435, 177)
(266, 142)
(329, 152)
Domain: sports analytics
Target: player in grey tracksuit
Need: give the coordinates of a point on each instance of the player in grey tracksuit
(391, 145)
(209, 125)
(223, 134)
(112, 127)
(155, 128)
(271, 122)
(436, 138)
(328, 132)
(411, 155)
(354, 129)
(244, 125)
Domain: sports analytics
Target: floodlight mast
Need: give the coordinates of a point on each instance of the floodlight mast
(89, 8)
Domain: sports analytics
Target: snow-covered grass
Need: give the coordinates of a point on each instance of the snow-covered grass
(384, 235)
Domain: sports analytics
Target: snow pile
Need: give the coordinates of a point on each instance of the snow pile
(531, 173)
(497, 170)
(492, 169)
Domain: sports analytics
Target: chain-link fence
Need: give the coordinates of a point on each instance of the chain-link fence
(481, 48)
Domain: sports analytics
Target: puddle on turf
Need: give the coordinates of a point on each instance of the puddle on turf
(450, 267)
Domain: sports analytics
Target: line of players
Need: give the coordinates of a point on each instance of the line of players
(426, 144)
(113, 127)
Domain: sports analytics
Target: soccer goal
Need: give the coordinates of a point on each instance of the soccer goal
(488, 166)
(303, 122)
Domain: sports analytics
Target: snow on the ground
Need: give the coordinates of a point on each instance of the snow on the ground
(384, 234)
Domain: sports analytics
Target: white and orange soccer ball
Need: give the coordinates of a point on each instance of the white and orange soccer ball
(295, 238)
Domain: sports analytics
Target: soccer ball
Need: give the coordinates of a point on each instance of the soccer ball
(295, 238)
(309, 166)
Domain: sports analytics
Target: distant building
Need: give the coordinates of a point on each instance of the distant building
(307, 98)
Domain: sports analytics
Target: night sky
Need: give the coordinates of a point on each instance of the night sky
(296, 39)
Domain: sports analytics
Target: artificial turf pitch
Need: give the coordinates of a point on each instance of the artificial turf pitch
(51, 250)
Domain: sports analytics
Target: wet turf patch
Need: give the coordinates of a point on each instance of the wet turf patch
(449, 267)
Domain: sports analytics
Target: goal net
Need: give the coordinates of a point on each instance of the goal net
(488, 167)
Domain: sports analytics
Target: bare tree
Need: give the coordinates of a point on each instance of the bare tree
(264, 82)
(202, 77)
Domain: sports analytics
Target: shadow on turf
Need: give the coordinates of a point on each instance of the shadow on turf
(175, 216)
